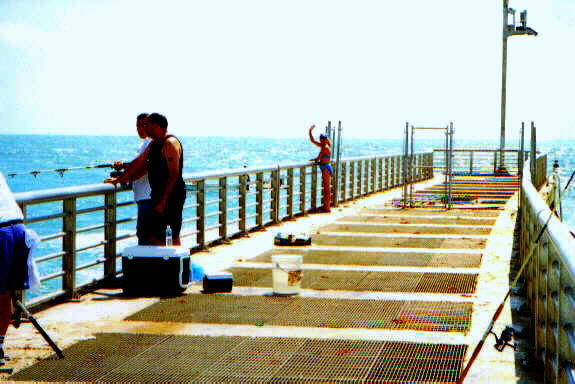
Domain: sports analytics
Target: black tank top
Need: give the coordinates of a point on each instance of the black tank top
(158, 172)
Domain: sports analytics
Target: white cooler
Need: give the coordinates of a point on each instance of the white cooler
(155, 270)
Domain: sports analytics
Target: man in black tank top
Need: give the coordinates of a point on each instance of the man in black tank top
(165, 163)
(163, 159)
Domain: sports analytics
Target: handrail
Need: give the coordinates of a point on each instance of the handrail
(219, 207)
(549, 278)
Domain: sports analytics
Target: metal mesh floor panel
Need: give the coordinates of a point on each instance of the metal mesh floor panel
(347, 240)
(365, 281)
(454, 260)
(416, 363)
(203, 359)
(310, 312)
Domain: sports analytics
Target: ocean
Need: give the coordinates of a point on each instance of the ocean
(44, 153)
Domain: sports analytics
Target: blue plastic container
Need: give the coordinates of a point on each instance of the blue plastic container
(196, 272)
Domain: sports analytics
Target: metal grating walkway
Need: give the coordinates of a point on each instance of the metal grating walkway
(203, 359)
(310, 312)
(456, 283)
(413, 259)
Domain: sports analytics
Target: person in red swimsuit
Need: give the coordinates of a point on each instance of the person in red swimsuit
(323, 159)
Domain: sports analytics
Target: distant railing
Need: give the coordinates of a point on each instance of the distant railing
(83, 227)
(480, 161)
(549, 278)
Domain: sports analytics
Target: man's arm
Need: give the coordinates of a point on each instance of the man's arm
(171, 151)
(136, 169)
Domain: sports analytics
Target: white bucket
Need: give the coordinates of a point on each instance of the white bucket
(287, 274)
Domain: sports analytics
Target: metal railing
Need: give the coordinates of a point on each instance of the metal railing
(84, 227)
(549, 278)
(480, 161)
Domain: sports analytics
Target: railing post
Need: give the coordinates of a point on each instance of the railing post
(344, 166)
(386, 173)
(290, 193)
(243, 211)
(201, 213)
(260, 200)
(470, 162)
(313, 187)
(334, 185)
(69, 247)
(110, 235)
(373, 174)
(360, 173)
(366, 177)
(352, 180)
(494, 162)
(397, 170)
(302, 189)
(276, 196)
(380, 181)
(223, 207)
(392, 172)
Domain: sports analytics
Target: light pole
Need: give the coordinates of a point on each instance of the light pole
(509, 30)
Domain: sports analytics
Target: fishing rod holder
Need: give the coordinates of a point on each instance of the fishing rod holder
(504, 340)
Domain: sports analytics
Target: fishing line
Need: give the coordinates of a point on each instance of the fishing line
(61, 171)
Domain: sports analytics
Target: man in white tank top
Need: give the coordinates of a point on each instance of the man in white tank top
(14, 253)
(141, 186)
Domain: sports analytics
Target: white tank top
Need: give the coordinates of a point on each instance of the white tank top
(9, 209)
(141, 187)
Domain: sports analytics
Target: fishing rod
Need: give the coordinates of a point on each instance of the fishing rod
(61, 171)
(508, 331)
(22, 310)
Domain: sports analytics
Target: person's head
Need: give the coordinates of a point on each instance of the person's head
(141, 125)
(157, 125)
(323, 139)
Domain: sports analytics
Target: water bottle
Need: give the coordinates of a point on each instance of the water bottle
(168, 236)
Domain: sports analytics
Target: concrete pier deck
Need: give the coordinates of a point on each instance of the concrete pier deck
(388, 295)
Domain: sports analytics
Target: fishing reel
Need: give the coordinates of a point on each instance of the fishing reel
(116, 173)
(503, 341)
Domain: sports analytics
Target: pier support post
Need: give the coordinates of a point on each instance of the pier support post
(110, 235)
(201, 213)
(290, 193)
(69, 247)
(223, 207)
(344, 167)
(314, 187)
(373, 174)
(276, 196)
(260, 200)
(352, 165)
(302, 189)
(243, 212)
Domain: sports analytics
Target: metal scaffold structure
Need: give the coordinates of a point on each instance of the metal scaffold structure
(411, 167)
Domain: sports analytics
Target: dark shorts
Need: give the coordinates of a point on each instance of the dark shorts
(145, 211)
(13, 258)
(172, 217)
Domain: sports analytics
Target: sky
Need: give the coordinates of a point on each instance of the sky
(272, 68)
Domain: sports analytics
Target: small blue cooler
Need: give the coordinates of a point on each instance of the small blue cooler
(155, 270)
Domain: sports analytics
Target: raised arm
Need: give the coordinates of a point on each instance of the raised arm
(314, 141)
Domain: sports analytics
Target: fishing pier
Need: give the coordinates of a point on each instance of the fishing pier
(400, 281)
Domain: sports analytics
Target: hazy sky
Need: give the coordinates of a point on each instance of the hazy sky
(271, 68)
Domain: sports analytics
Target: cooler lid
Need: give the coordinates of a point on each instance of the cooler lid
(155, 251)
